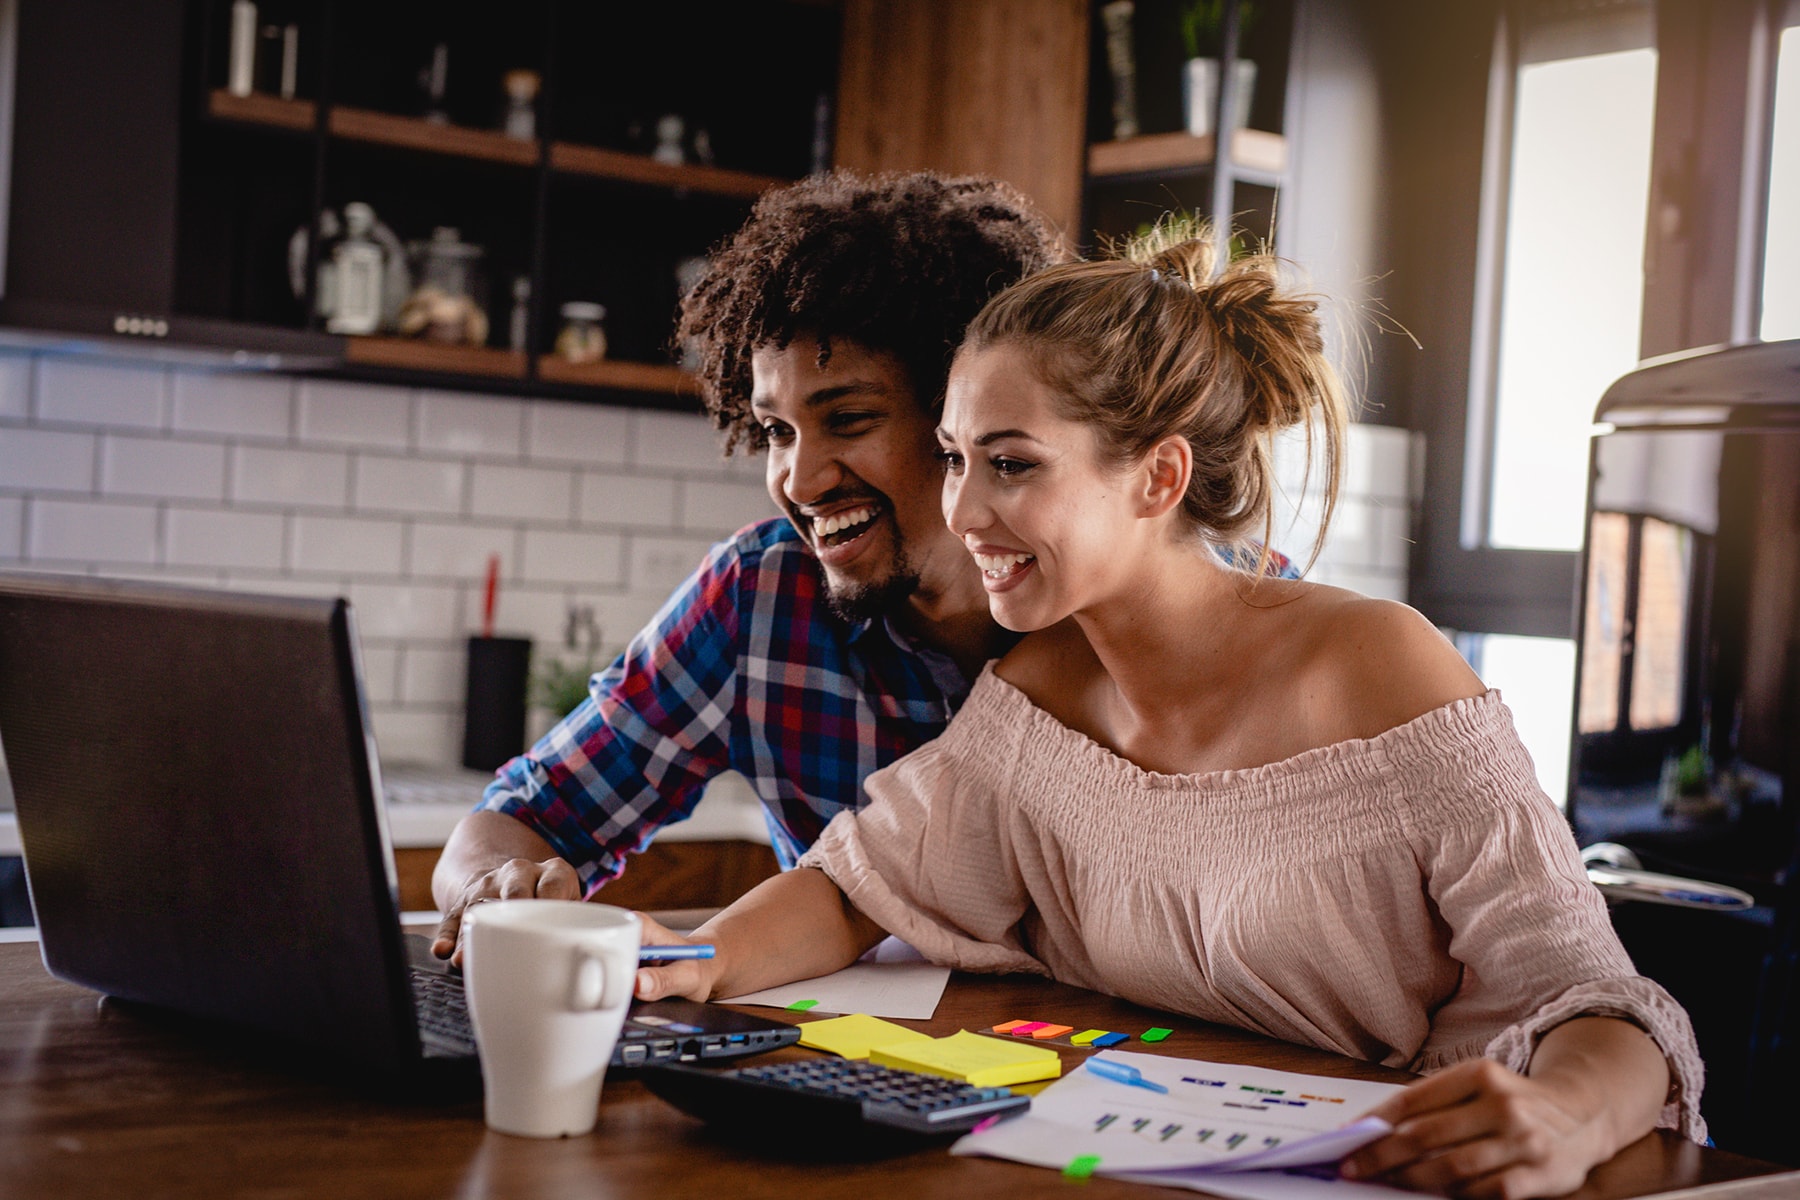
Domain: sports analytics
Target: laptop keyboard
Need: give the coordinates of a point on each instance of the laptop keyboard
(443, 1009)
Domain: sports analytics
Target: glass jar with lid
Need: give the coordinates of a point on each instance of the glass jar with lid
(581, 339)
(449, 297)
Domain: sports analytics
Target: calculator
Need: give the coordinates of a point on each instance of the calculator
(840, 1104)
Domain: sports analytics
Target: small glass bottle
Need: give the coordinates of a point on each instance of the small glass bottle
(521, 89)
(518, 327)
(581, 339)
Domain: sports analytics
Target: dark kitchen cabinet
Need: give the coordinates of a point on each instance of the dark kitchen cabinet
(150, 202)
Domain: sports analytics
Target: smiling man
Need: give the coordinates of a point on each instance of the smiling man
(811, 649)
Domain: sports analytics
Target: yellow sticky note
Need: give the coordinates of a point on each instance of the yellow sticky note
(854, 1035)
(982, 1061)
(1086, 1036)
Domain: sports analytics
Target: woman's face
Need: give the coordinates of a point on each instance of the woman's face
(1052, 524)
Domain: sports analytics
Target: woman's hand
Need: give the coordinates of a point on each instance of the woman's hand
(1596, 1085)
(691, 979)
(1478, 1129)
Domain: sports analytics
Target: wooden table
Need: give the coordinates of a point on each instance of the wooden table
(96, 1100)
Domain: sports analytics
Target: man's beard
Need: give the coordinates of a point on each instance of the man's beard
(857, 602)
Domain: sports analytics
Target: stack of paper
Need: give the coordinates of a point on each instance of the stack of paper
(1214, 1118)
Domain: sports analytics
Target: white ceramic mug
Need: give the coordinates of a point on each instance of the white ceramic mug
(548, 982)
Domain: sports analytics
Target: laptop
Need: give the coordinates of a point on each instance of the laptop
(198, 796)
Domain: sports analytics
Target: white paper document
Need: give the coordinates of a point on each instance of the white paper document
(1216, 1118)
(906, 991)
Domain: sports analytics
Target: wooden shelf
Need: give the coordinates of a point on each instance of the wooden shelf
(410, 354)
(613, 373)
(260, 109)
(636, 168)
(1252, 150)
(414, 133)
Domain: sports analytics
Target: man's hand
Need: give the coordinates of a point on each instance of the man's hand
(1478, 1129)
(691, 979)
(515, 879)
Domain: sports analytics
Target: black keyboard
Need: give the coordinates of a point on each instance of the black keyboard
(832, 1099)
(666, 1031)
(443, 1012)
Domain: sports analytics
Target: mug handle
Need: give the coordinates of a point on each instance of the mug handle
(591, 985)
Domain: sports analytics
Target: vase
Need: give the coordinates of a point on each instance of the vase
(1200, 93)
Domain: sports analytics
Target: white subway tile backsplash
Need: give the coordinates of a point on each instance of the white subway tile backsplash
(721, 509)
(565, 431)
(613, 498)
(413, 485)
(538, 613)
(1353, 532)
(293, 478)
(404, 610)
(222, 538)
(273, 584)
(1376, 461)
(12, 528)
(90, 531)
(673, 441)
(346, 545)
(461, 551)
(46, 460)
(620, 615)
(396, 499)
(15, 386)
(527, 493)
(354, 414)
(660, 564)
(405, 735)
(140, 466)
(485, 426)
(1394, 536)
(433, 675)
(94, 393)
(1382, 585)
(233, 404)
(557, 556)
(381, 673)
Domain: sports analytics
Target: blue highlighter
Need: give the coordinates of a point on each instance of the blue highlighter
(1120, 1073)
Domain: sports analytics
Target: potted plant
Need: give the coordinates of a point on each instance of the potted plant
(1202, 34)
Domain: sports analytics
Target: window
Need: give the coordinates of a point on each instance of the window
(1781, 251)
(1572, 289)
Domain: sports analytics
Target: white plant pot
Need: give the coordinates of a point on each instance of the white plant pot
(1200, 93)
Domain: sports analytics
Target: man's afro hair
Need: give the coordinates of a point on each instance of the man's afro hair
(896, 263)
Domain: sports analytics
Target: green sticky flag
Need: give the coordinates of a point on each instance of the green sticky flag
(1081, 1167)
(1155, 1033)
(802, 1005)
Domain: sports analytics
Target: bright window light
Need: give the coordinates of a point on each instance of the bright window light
(1536, 678)
(1573, 283)
(1781, 253)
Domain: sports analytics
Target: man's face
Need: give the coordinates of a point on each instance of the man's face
(852, 461)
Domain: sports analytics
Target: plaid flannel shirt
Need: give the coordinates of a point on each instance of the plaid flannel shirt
(744, 669)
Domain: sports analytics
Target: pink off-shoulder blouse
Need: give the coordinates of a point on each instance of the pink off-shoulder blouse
(1412, 899)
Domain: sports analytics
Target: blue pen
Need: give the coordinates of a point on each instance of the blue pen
(672, 953)
(1120, 1073)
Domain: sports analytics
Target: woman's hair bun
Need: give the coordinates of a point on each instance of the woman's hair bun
(1179, 248)
(1256, 314)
